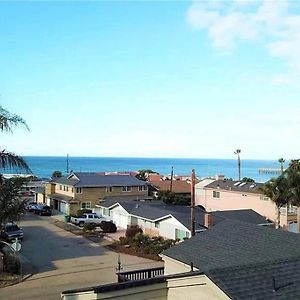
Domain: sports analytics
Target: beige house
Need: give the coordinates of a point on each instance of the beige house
(232, 260)
(84, 190)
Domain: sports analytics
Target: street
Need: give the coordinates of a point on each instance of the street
(63, 261)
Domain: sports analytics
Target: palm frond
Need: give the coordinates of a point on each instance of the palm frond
(11, 160)
(9, 120)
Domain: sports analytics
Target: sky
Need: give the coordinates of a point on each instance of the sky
(152, 79)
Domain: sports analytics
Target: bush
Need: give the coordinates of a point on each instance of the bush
(141, 240)
(124, 240)
(89, 227)
(108, 227)
(132, 231)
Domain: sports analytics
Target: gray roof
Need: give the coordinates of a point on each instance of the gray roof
(154, 210)
(243, 259)
(244, 215)
(232, 185)
(63, 198)
(99, 180)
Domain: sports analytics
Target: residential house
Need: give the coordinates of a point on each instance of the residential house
(232, 260)
(223, 194)
(84, 190)
(169, 221)
(179, 187)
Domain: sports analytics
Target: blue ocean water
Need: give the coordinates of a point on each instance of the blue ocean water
(43, 166)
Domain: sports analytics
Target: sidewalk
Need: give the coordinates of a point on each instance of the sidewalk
(27, 268)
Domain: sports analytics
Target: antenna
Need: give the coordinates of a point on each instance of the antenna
(193, 203)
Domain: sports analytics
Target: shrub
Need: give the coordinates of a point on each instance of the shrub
(108, 226)
(89, 227)
(141, 240)
(124, 240)
(132, 231)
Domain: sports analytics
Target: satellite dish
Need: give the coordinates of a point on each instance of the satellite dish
(16, 245)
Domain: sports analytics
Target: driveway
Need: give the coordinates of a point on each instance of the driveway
(65, 261)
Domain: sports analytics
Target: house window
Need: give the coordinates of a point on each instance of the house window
(264, 198)
(85, 205)
(109, 189)
(72, 190)
(142, 188)
(181, 234)
(157, 224)
(78, 190)
(216, 194)
(126, 188)
(67, 188)
(60, 187)
(106, 212)
(64, 188)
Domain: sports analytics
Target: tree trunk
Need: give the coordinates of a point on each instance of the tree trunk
(278, 217)
(298, 219)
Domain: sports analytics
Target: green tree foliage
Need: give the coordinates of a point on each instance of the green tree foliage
(8, 159)
(171, 198)
(143, 174)
(56, 174)
(247, 179)
(11, 205)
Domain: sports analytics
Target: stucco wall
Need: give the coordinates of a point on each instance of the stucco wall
(167, 227)
(230, 200)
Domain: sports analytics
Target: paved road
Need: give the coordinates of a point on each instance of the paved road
(64, 261)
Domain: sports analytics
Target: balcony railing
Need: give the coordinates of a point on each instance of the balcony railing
(140, 274)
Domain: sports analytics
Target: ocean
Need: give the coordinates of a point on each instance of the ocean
(43, 166)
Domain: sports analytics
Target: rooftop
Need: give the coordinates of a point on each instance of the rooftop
(235, 185)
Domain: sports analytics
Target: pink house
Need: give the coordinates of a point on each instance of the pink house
(226, 194)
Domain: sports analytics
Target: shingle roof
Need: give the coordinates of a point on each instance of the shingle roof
(244, 215)
(99, 180)
(235, 185)
(178, 186)
(243, 258)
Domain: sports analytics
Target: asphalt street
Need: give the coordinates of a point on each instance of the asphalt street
(62, 261)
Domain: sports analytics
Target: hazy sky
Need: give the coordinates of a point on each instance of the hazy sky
(152, 79)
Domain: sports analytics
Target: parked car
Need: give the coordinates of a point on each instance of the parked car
(87, 218)
(30, 206)
(43, 210)
(10, 232)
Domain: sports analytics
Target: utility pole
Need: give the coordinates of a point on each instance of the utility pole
(67, 163)
(171, 183)
(193, 203)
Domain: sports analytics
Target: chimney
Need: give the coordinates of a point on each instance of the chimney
(220, 177)
(208, 220)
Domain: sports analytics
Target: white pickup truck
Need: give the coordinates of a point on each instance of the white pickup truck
(87, 218)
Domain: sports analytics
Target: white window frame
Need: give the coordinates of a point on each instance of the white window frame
(216, 194)
(142, 188)
(126, 189)
(109, 189)
(87, 205)
(78, 190)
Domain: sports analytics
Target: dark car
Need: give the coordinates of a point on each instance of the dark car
(11, 231)
(43, 210)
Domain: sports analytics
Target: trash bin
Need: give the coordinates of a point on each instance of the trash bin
(67, 218)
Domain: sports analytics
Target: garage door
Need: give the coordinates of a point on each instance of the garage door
(123, 221)
(64, 208)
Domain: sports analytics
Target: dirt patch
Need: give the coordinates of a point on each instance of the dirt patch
(7, 279)
(132, 251)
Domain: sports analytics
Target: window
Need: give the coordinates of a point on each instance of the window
(67, 188)
(78, 190)
(86, 205)
(64, 188)
(106, 212)
(126, 189)
(264, 198)
(142, 188)
(109, 189)
(72, 190)
(181, 234)
(157, 224)
(216, 194)
(60, 187)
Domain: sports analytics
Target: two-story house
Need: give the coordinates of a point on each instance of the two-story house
(225, 194)
(84, 190)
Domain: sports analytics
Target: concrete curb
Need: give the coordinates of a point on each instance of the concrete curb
(27, 268)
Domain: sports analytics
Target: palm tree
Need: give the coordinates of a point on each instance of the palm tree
(8, 159)
(293, 173)
(237, 152)
(281, 160)
(277, 189)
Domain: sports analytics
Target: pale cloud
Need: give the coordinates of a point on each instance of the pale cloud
(274, 24)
